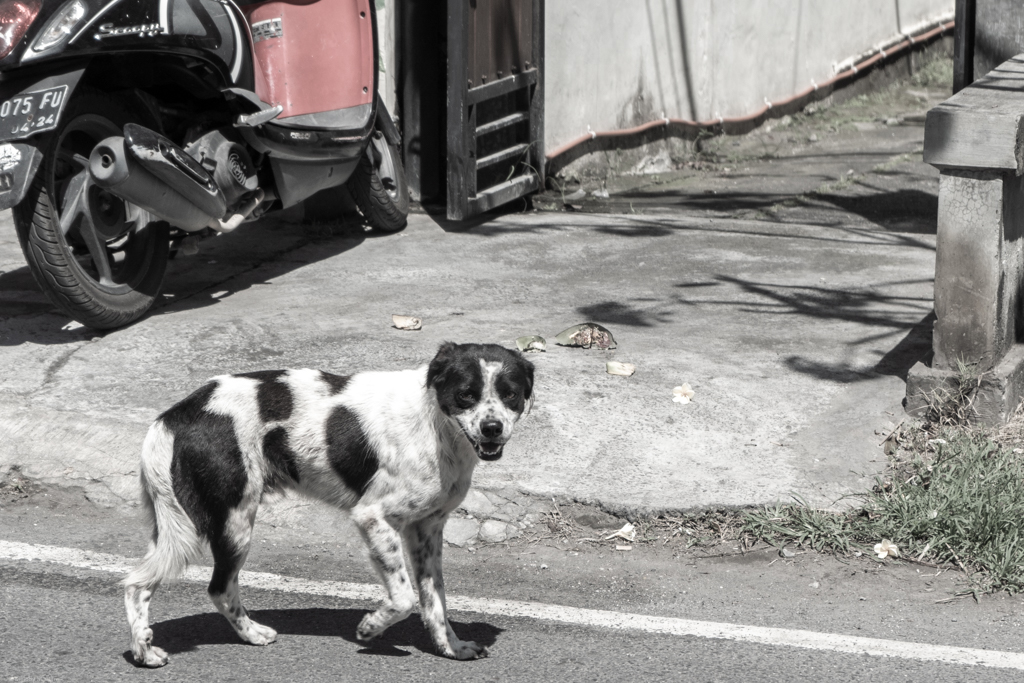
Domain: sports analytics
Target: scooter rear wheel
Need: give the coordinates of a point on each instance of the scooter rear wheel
(378, 186)
(104, 272)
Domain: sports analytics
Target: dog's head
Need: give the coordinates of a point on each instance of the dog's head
(483, 387)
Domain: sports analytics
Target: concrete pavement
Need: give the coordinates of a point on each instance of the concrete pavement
(792, 291)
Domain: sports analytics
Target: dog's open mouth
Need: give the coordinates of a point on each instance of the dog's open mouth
(489, 451)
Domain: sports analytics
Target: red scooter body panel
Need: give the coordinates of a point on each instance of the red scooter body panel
(323, 59)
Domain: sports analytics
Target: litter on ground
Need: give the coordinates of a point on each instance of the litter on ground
(406, 322)
(532, 342)
(614, 367)
(626, 533)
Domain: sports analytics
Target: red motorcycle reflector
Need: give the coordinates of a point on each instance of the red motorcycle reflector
(15, 18)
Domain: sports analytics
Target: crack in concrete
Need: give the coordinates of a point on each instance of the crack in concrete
(52, 369)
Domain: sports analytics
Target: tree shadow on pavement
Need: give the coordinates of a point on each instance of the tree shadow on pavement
(186, 634)
(911, 211)
(906, 320)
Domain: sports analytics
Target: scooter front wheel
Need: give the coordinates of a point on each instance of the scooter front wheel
(85, 249)
(378, 186)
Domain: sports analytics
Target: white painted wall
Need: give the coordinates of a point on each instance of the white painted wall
(614, 64)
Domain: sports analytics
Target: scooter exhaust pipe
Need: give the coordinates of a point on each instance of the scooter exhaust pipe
(113, 169)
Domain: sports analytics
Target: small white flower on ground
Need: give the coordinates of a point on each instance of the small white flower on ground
(682, 394)
(886, 549)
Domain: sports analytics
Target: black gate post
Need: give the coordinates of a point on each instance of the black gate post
(963, 45)
(461, 118)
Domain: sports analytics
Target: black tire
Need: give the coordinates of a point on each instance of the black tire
(62, 264)
(379, 189)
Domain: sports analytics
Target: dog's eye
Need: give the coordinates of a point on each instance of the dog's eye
(466, 396)
(511, 396)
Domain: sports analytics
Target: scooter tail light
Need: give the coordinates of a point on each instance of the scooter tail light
(15, 18)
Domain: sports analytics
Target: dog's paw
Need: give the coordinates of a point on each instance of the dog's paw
(151, 657)
(258, 634)
(368, 629)
(467, 649)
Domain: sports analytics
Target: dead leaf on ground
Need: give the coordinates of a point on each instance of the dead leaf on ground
(586, 335)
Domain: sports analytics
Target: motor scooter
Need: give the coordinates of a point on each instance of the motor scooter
(131, 128)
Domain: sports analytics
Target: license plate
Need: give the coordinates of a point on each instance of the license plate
(33, 112)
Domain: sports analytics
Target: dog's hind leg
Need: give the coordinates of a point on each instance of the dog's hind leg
(385, 545)
(229, 552)
(136, 602)
(424, 541)
(174, 541)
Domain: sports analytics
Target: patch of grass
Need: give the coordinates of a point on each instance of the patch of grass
(936, 73)
(953, 406)
(958, 502)
(953, 495)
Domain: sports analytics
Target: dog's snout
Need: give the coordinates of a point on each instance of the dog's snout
(491, 429)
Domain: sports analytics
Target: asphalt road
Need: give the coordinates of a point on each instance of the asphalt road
(61, 623)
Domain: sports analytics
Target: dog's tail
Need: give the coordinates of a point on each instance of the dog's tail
(175, 541)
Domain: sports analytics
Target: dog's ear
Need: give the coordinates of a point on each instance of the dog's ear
(527, 367)
(438, 367)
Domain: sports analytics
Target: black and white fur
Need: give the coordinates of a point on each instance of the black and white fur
(395, 449)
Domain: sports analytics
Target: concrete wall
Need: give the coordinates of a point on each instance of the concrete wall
(613, 64)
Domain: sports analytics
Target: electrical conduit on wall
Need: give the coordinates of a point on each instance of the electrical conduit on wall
(849, 70)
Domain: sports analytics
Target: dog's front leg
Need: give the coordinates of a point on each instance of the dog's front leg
(385, 545)
(424, 541)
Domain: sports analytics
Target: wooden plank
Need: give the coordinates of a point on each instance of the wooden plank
(981, 126)
(461, 168)
(498, 157)
(503, 122)
(503, 193)
(499, 39)
(537, 93)
(500, 87)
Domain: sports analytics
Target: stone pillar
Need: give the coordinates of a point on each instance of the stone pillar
(978, 266)
(976, 140)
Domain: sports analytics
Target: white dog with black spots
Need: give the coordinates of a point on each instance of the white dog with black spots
(395, 449)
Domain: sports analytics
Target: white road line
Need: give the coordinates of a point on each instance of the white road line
(811, 640)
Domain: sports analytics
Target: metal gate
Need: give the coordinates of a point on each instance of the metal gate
(495, 145)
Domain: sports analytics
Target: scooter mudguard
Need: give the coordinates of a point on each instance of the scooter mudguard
(29, 110)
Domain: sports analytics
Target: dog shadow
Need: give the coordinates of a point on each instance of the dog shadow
(187, 634)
